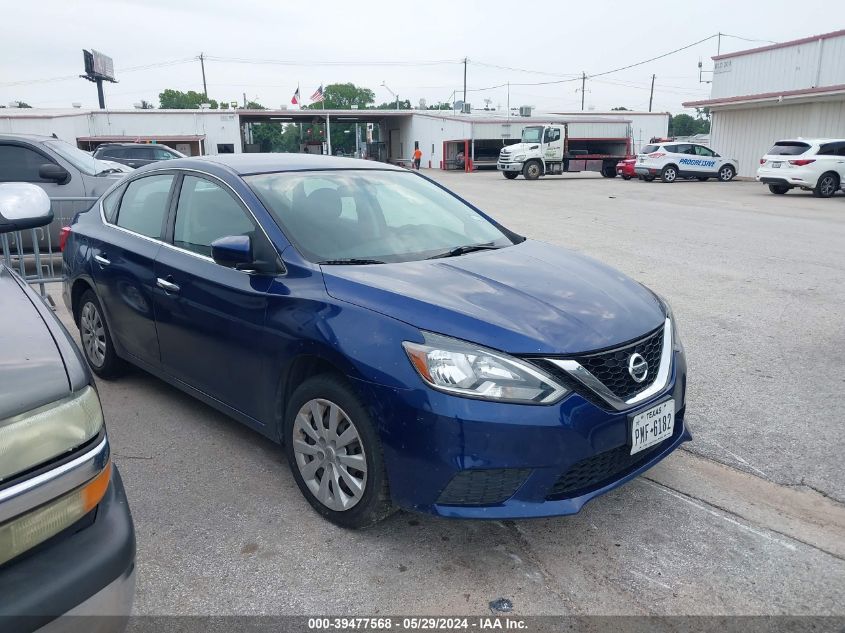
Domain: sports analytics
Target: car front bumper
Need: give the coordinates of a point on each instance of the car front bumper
(518, 453)
(501, 166)
(90, 572)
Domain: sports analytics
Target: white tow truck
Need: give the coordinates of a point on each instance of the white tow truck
(574, 146)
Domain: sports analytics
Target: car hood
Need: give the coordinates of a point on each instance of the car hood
(529, 298)
(516, 148)
(32, 371)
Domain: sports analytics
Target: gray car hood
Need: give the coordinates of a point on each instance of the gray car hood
(32, 371)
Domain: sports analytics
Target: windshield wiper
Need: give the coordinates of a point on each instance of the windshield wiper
(462, 250)
(350, 261)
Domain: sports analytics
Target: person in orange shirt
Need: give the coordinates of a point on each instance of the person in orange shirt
(417, 158)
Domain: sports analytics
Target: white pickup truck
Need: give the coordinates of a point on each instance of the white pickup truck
(574, 146)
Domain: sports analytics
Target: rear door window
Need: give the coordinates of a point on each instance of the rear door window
(700, 150)
(144, 205)
(789, 148)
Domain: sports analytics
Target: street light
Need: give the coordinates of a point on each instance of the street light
(384, 85)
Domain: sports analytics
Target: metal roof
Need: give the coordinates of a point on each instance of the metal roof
(768, 96)
(771, 47)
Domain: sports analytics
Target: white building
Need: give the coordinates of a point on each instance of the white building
(774, 92)
(439, 134)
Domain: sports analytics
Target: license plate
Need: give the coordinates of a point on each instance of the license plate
(776, 164)
(653, 426)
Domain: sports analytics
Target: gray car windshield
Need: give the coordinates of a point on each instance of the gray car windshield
(370, 216)
(532, 134)
(83, 161)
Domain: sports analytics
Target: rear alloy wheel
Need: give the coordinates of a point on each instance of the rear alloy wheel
(669, 173)
(96, 339)
(532, 170)
(826, 186)
(727, 173)
(779, 189)
(335, 453)
(510, 175)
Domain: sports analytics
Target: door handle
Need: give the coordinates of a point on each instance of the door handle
(102, 261)
(167, 286)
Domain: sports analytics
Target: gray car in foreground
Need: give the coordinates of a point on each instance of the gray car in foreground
(67, 542)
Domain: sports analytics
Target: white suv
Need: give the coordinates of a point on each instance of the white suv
(672, 160)
(813, 165)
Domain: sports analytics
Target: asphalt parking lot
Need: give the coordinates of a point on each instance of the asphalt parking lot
(747, 519)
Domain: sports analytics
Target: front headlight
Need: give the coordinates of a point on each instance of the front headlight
(465, 369)
(37, 436)
(519, 158)
(667, 310)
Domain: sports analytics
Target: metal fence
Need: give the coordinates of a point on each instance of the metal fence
(35, 253)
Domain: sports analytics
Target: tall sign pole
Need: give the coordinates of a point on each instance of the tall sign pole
(98, 68)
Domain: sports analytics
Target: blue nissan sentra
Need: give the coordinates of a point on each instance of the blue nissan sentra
(405, 348)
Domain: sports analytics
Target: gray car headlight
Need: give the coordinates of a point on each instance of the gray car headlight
(464, 369)
(37, 436)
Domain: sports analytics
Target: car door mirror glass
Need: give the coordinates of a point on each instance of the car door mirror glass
(233, 251)
(53, 173)
(23, 206)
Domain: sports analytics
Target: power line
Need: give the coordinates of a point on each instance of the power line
(316, 63)
(130, 69)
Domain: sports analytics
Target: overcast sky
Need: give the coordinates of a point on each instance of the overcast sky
(395, 43)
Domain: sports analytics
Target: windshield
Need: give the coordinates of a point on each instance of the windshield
(83, 161)
(377, 216)
(532, 134)
(789, 148)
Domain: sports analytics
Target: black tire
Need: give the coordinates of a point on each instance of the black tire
(510, 175)
(703, 178)
(726, 173)
(669, 173)
(626, 178)
(649, 178)
(827, 185)
(374, 504)
(779, 189)
(532, 170)
(89, 312)
(608, 170)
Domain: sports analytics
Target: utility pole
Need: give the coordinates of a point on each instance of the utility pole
(244, 100)
(204, 87)
(583, 84)
(465, 81)
(651, 95)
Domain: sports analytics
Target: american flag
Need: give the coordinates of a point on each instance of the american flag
(318, 95)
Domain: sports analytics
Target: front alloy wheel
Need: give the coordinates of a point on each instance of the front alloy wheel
(669, 174)
(533, 170)
(329, 454)
(334, 450)
(726, 173)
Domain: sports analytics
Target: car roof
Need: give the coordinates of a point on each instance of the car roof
(34, 138)
(810, 141)
(243, 164)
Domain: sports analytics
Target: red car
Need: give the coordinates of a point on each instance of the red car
(625, 168)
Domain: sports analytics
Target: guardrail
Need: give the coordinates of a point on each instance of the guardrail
(35, 253)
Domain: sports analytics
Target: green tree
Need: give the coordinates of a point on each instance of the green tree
(441, 106)
(171, 99)
(254, 105)
(687, 125)
(344, 96)
(391, 105)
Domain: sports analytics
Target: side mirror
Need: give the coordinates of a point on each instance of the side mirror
(54, 173)
(23, 206)
(233, 251)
